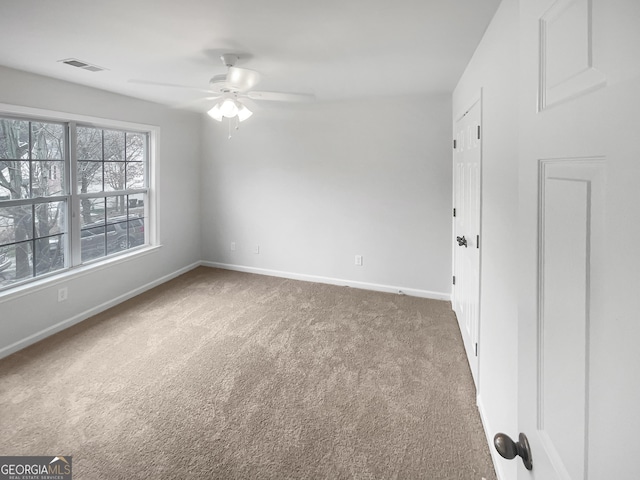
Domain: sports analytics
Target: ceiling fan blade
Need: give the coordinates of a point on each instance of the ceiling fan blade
(251, 105)
(193, 103)
(242, 79)
(171, 85)
(281, 97)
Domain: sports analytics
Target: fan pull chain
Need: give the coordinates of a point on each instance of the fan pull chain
(237, 127)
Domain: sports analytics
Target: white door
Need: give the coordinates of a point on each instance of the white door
(579, 301)
(466, 258)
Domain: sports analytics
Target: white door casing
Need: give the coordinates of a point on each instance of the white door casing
(466, 258)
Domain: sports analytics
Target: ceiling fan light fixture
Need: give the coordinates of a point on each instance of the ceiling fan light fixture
(228, 107)
(215, 112)
(243, 112)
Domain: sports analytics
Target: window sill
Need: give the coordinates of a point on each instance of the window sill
(75, 272)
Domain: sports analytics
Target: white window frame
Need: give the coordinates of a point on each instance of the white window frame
(74, 267)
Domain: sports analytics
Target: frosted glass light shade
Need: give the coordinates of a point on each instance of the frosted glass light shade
(243, 113)
(215, 113)
(228, 108)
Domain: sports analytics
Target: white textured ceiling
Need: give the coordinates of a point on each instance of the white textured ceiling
(335, 49)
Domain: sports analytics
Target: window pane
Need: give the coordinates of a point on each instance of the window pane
(48, 179)
(135, 175)
(92, 242)
(6, 264)
(114, 176)
(89, 143)
(50, 219)
(47, 141)
(49, 254)
(15, 224)
(113, 146)
(116, 209)
(136, 147)
(136, 232)
(92, 211)
(14, 139)
(89, 177)
(117, 237)
(136, 205)
(15, 263)
(14, 179)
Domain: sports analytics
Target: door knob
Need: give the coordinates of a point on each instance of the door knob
(510, 449)
(462, 242)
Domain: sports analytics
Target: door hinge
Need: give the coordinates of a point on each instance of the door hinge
(454, 143)
(454, 279)
(477, 241)
(454, 212)
(476, 349)
(478, 132)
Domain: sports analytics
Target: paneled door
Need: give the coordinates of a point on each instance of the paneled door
(579, 299)
(466, 258)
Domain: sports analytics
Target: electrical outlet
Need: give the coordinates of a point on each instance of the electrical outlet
(359, 260)
(233, 246)
(256, 250)
(62, 294)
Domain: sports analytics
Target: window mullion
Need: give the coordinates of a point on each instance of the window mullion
(112, 193)
(33, 233)
(149, 183)
(34, 201)
(72, 191)
(126, 170)
(102, 146)
(30, 160)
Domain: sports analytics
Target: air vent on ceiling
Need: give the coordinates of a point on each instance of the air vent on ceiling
(74, 62)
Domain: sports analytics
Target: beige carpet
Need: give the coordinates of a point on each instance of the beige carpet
(228, 375)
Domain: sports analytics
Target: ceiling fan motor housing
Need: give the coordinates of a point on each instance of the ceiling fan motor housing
(229, 59)
(219, 84)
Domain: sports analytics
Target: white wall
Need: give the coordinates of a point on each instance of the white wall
(315, 184)
(26, 318)
(494, 69)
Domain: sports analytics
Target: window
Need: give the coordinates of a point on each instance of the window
(70, 194)
(111, 187)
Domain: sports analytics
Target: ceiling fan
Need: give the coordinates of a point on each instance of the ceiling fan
(231, 88)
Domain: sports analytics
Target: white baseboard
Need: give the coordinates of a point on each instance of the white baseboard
(36, 337)
(495, 457)
(332, 281)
